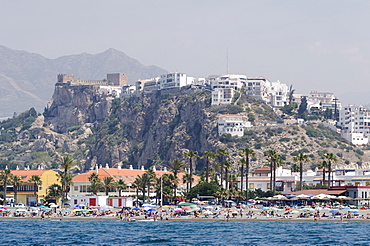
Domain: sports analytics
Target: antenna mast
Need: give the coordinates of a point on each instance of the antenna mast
(227, 60)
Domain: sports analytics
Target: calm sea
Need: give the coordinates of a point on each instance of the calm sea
(182, 233)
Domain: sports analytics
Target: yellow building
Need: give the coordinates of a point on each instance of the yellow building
(26, 192)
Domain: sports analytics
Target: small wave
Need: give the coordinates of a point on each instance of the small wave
(155, 241)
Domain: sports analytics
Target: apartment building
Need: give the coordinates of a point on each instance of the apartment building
(232, 124)
(355, 124)
(274, 94)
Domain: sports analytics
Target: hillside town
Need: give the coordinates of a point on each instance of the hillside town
(352, 122)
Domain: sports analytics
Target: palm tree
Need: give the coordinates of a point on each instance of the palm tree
(242, 162)
(331, 159)
(228, 164)
(66, 181)
(209, 155)
(223, 154)
(175, 167)
(247, 153)
(271, 156)
(107, 184)
(5, 178)
(141, 183)
(95, 183)
(301, 158)
(191, 154)
(294, 168)
(186, 180)
(16, 182)
(66, 165)
(120, 186)
(55, 191)
(136, 186)
(151, 176)
(323, 165)
(36, 180)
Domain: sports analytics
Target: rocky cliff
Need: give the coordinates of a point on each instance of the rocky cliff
(153, 129)
(76, 105)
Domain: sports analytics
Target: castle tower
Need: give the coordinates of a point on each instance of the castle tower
(117, 79)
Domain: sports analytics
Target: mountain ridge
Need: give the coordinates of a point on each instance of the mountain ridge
(36, 74)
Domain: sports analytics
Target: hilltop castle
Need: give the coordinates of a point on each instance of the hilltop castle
(113, 79)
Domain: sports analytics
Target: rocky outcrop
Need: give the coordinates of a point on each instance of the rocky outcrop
(75, 105)
(155, 128)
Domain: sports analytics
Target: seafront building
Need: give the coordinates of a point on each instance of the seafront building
(81, 184)
(26, 192)
(287, 181)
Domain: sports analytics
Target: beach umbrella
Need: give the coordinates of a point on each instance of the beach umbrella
(358, 199)
(167, 206)
(333, 211)
(186, 204)
(208, 207)
(354, 211)
(290, 196)
(302, 196)
(136, 209)
(179, 210)
(152, 210)
(207, 212)
(200, 203)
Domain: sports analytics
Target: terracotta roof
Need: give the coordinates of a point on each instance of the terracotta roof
(317, 192)
(262, 170)
(128, 175)
(26, 174)
(361, 178)
(230, 115)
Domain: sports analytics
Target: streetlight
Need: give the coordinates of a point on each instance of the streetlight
(161, 189)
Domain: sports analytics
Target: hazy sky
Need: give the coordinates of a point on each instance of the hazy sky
(314, 45)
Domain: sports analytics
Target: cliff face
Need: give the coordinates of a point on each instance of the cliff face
(75, 105)
(148, 130)
(154, 129)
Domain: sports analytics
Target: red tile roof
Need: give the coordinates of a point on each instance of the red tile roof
(26, 174)
(317, 192)
(128, 175)
(230, 115)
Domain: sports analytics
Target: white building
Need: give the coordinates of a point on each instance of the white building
(88, 201)
(232, 81)
(355, 124)
(222, 96)
(224, 87)
(174, 80)
(275, 94)
(147, 85)
(257, 87)
(323, 101)
(232, 124)
(110, 90)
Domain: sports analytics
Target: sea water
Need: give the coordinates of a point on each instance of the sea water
(27, 232)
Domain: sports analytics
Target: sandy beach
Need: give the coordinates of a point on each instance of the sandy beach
(279, 215)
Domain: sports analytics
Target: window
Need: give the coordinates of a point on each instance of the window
(75, 188)
(251, 186)
(268, 186)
